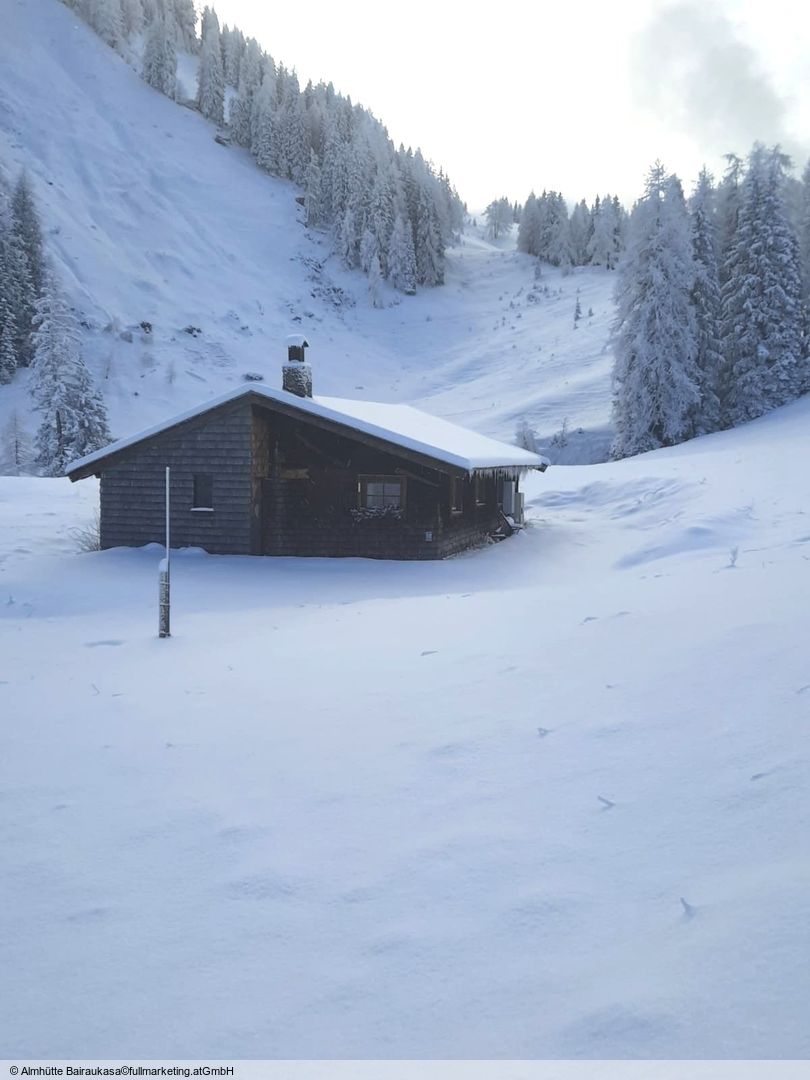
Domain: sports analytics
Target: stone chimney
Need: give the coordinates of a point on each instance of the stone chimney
(297, 372)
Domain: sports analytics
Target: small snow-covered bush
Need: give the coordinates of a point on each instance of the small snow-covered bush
(87, 537)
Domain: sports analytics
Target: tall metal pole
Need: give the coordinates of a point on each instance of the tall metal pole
(164, 602)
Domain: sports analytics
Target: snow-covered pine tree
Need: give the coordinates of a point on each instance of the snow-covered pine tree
(26, 225)
(428, 244)
(16, 450)
(528, 240)
(579, 226)
(210, 75)
(706, 303)
(727, 205)
(401, 258)
(160, 56)
(250, 79)
(762, 322)
(603, 245)
(73, 418)
(108, 22)
(293, 133)
(375, 281)
(381, 211)
(8, 352)
(16, 285)
(232, 59)
(132, 16)
(263, 128)
(313, 203)
(804, 233)
(555, 238)
(656, 393)
(499, 218)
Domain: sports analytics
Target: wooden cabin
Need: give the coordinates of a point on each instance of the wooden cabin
(260, 471)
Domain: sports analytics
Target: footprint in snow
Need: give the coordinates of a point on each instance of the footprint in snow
(606, 803)
(589, 618)
(428, 652)
(96, 644)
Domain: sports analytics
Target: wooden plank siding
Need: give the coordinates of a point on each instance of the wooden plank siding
(133, 486)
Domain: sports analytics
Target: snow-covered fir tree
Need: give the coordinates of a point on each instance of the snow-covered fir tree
(762, 323)
(250, 79)
(727, 205)
(159, 67)
(401, 257)
(528, 240)
(313, 199)
(579, 233)
(233, 46)
(804, 232)
(656, 383)
(604, 245)
(210, 74)
(706, 304)
(132, 18)
(499, 217)
(26, 225)
(108, 22)
(18, 292)
(184, 18)
(262, 124)
(73, 419)
(555, 237)
(375, 281)
(16, 447)
(8, 352)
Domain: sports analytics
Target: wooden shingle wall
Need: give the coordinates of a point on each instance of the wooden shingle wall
(133, 486)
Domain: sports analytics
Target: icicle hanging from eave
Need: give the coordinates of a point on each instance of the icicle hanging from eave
(507, 472)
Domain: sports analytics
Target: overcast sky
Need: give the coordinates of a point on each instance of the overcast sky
(578, 96)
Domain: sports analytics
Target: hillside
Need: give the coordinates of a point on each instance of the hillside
(150, 221)
(545, 800)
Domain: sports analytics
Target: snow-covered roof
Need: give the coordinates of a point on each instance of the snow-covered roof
(296, 339)
(399, 425)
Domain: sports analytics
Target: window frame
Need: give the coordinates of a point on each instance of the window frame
(364, 479)
(480, 490)
(456, 488)
(196, 500)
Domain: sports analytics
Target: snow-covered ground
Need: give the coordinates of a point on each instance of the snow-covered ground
(150, 221)
(546, 799)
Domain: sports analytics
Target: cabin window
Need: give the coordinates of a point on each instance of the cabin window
(456, 495)
(480, 491)
(381, 492)
(203, 498)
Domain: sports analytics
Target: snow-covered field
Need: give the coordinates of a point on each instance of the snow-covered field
(546, 799)
(149, 220)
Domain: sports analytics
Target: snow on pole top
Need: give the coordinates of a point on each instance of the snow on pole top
(296, 341)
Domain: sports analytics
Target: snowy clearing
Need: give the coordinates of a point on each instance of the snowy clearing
(546, 799)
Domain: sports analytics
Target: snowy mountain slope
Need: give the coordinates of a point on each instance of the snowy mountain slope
(547, 799)
(149, 220)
